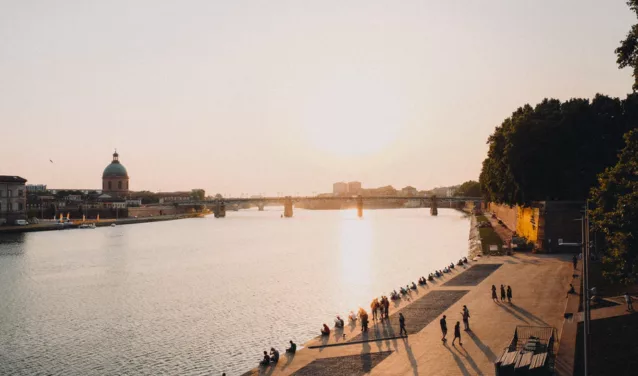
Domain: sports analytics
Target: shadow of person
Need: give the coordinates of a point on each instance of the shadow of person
(458, 360)
(289, 357)
(527, 314)
(324, 342)
(408, 351)
(469, 359)
(513, 313)
(489, 354)
(267, 370)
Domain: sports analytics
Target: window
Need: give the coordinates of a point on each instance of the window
(20, 207)
(9, 193)
(20, 193)
(110, 186)
(119, 184)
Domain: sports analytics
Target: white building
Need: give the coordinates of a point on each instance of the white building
(354, 187)
(13, 198)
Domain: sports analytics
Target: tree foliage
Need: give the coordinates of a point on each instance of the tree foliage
(198, 194)
(615, 212)
(627, 52)
(470, 188)
(555, 150)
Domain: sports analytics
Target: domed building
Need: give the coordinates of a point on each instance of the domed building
(115, 178)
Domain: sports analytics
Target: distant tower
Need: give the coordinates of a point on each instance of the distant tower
(115, 178)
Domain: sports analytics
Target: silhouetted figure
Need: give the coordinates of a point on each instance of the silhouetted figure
(457, 333)
(575, 261)
(387, 308)
(292, 349)
(402, 325)
(509, 294)
(502, 293)
(274, 355)
(325, 331)
(494, 297)
(571, 290)
(466, 317)
(266, 360)
(630, 302)
(443, 328)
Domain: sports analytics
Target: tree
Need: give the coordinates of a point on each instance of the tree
(615, 213)
(470, 188)
(198, 194)
(219, 196)
(627, 52)
(554, 150)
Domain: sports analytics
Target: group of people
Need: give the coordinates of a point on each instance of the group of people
(273, 357)
(465, 314)
(505, 294)
(380, 308)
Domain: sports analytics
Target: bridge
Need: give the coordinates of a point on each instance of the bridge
(218, 206)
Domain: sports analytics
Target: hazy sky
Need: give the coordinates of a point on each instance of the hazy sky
(286, 96)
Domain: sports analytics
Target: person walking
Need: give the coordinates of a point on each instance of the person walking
(457, 333)
(575, 261)
(387, 308)
(502, 293)
(443, 328)
(509, 293)
(402, 325)
(374, 306)
(494, 297)
(466, 318)
(629, 301)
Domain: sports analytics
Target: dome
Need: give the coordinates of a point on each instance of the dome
(115, 169)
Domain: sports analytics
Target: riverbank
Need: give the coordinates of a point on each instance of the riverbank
(54, 226)
(538, 283)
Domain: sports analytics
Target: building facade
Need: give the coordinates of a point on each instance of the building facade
(340, 188)
(13, 199)
(354, 187)
(409, 191)
(115, 178)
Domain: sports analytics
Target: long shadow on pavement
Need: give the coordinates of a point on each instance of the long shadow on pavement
(483, 347)
(529, 315)
(458, 361)
(469, 359)
(413, 363)
(512, 312)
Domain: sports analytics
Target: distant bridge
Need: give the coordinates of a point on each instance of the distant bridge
(219, 205)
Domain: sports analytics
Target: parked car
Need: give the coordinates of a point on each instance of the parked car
(21, 222)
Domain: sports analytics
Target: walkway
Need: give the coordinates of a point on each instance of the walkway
(539, 285)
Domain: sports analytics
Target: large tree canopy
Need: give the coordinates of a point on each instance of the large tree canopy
(470, 188)
(615, 212)
(627, 52)
(554, 151)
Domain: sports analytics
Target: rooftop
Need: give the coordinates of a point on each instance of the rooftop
(12, 179)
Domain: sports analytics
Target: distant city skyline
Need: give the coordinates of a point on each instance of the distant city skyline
(265, 97)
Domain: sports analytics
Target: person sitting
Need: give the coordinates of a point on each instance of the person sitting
(460, 262)
(352, 317)
(571, 290)
(465, 260)
(413, 287)
(431, 277)
(403, 291)
(292, 349)
(274, 355)
(325, 331)
(452, 265)
(339, 322)
(266, 360)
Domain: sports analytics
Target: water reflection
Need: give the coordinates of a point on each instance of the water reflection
(355, 246)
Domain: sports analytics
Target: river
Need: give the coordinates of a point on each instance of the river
(203, 296)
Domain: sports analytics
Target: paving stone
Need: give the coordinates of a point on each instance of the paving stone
(473, 276)
(352, 365)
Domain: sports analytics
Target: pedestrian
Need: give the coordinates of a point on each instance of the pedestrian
(494, 297)
(374, 306)
(402, 325)
(502, 293)
(575, 261)
(443, 328)
(457, 333)
(630, 303)
(387, 308)
(466, 318)
(509, 293)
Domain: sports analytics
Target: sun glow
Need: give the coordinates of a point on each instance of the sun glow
(353, 116)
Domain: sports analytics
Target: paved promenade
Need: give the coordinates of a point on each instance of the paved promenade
(539, 284)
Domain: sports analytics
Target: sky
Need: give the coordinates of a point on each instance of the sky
(261, 97)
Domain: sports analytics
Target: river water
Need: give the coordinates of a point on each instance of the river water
(203, 296)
